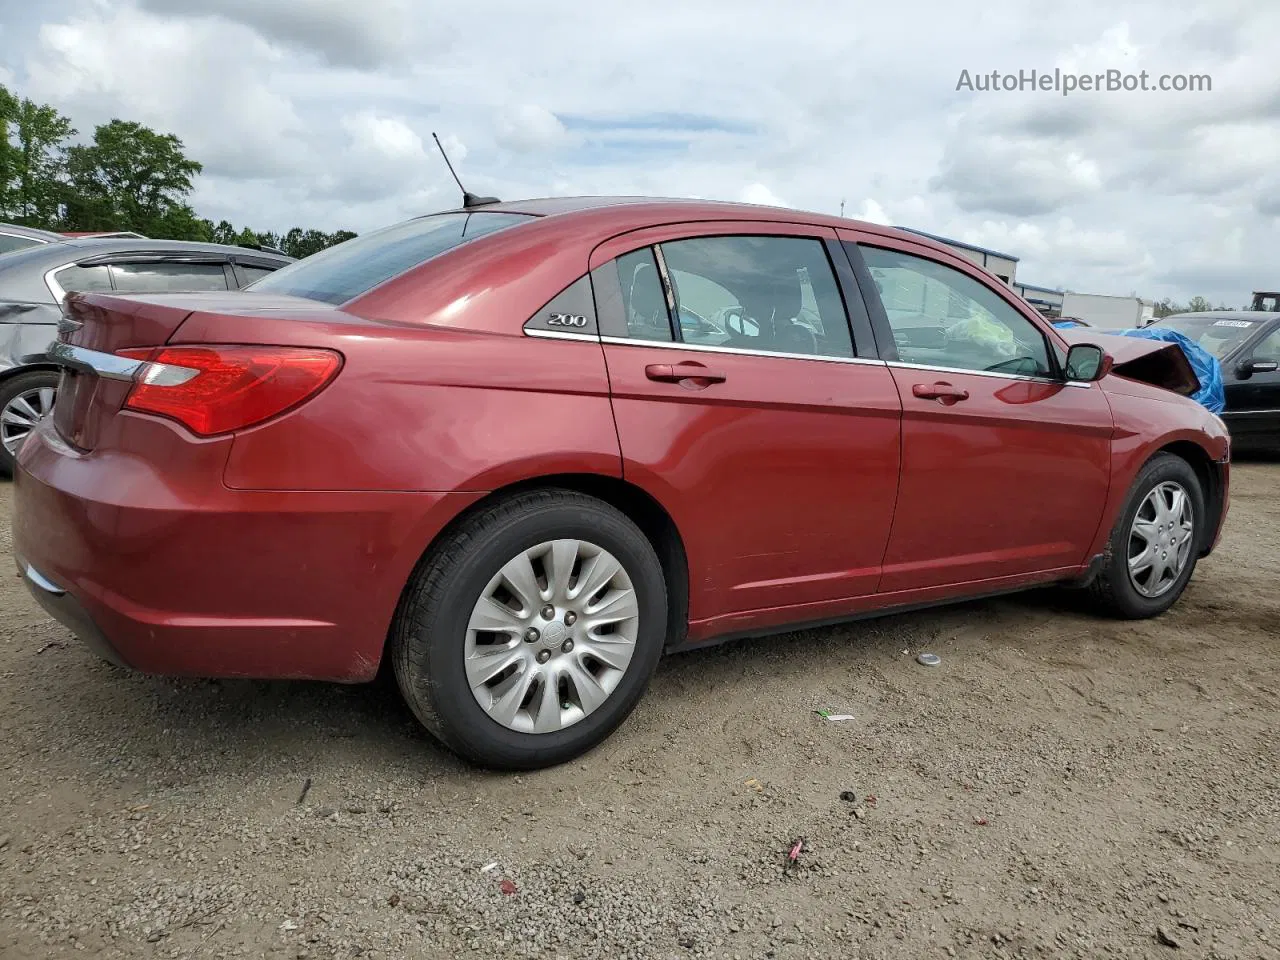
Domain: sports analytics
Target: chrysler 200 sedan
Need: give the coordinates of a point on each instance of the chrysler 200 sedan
(521, 449)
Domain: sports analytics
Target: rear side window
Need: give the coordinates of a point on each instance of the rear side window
(168, 277)
(773, 294)
(643, 302)
(77, 279)
(10, 242)
(250, 274)
(351, 269)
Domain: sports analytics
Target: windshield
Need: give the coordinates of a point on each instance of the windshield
(350, 269)
(1218, 335)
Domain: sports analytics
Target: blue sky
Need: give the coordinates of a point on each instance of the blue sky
(319, 113)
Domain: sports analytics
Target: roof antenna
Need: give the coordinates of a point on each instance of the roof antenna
(469, 200)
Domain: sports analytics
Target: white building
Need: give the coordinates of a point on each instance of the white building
(1003, 265)
(1045, 299)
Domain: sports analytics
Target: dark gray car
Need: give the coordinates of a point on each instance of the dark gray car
(15, 237)
(34, 280)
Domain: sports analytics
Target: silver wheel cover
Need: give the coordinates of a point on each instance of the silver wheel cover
(1160, 539)
(551, 636)
(22, 413)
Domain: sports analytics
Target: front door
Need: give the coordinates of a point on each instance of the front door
(744, 405)
(1005, 467)
(1253, 403)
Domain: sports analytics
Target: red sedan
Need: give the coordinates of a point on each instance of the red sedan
(522, 449)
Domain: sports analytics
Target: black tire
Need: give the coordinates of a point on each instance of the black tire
(427, 637)
(1112, 590)
(14, 387)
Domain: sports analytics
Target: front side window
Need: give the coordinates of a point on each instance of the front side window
(944, 318)
(168, 277)
(1269, 348)
(773, 294)
(353, 268)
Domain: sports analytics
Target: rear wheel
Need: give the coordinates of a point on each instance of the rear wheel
(532, 630)
(25, 400)
(1153, 547)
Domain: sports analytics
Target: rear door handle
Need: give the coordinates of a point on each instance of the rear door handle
(942, 392)
(690, 371)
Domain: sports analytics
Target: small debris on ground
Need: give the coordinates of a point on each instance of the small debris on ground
(833, 717)
(306, 788)
(508, 887)
(929, 659)
(489, 867)
(393, 900)
(981, 822)
(793, 854)
(52, 645)
(1165, 938)
(754, 784)
(848, 796)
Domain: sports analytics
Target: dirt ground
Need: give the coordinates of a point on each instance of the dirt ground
(1060, 786)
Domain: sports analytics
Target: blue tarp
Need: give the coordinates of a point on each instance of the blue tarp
(1206, 366)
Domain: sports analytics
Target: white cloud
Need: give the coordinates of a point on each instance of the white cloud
(319, 112)
(872, 212)
(759, 193)
(364, 35)
(528, 126)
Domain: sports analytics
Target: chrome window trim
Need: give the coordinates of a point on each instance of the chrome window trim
(737, 351)
(560, 335)
(55, 288)
(107, 365)
(987, 373)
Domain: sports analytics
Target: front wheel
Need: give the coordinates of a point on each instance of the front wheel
(530, 632)
(1154, 545)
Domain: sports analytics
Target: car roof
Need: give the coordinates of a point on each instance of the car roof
(22, 271)
(34, 233)
(622, 213)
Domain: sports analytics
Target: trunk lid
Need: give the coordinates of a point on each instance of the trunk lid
(104, 323)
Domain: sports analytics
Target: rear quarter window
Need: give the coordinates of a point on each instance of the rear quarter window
(351, 269)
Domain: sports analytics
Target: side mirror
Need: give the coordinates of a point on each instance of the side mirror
(1247, 368)
(1087, 362)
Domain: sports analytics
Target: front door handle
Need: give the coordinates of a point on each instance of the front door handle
(690, 373)
(944, 393)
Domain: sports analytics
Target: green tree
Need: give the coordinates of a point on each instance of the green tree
(132, 178)
(303, 243)
(31, 160)
(1198, 305)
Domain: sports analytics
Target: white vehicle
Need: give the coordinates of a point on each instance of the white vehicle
(1108, 312)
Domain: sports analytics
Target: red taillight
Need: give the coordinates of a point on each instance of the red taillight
(216, 389)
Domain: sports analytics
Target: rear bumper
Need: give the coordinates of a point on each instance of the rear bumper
(176, 574)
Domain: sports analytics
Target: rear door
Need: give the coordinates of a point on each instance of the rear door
(1005, 467)
(744, 404)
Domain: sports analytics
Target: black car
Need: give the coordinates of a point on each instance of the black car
(1247, 344)
(34, 280)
